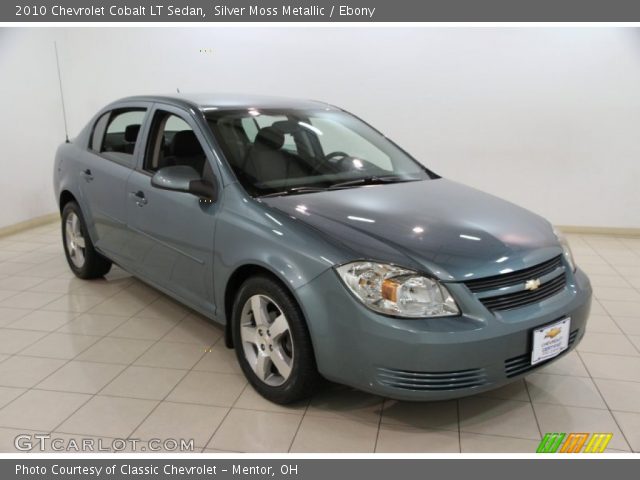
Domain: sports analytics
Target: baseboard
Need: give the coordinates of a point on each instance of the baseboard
(624, 232)
(27, 224)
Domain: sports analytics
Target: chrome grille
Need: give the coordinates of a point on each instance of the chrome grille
(514, 278)
(522, 298)
(522, 363)
(431, 381)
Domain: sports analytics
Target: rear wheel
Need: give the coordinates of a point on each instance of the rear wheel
(272, 342)
(84, 261)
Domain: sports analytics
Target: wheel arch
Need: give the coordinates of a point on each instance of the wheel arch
(236, 279)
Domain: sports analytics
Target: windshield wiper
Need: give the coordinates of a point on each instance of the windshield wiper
(373, 180)
(293, 191)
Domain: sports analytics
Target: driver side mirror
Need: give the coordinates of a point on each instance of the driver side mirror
(182, 178)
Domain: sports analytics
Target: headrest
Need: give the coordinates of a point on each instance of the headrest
(186, 144)
(286, 126)
(270, 137)
(131, 133)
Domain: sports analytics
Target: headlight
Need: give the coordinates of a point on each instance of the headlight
(566, 250)
(397, 291)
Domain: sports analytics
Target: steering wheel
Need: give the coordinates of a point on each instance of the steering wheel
(336, 158)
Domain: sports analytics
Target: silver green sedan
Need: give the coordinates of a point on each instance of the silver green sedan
(323, 248)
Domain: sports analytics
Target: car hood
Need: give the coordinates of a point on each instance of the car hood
(450, 230)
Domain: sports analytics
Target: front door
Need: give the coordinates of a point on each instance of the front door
(172, 232)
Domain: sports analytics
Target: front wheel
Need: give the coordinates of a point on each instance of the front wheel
(84, 261)
(272, 341)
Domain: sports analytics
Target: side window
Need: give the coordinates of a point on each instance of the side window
(98, 132)
(121, 135)
(173, 142)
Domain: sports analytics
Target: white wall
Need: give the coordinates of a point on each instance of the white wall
(547, 118)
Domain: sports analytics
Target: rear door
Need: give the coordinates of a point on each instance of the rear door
(172, 232)
(103, 176)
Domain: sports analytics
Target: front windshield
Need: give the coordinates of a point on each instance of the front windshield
(275, 152)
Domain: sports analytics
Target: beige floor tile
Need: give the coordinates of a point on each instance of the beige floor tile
(6, 294)
(60, 345)
(113, 417)
(115, 350)
(475, 443)
(635, 339)
(92, 324)
(144, 382)
(19, 283)
(615, 344)
(624, 396)
(56, 285)
(207, 388)
(612, 281)
(336, 401)
(118, 305)
(602, 324)
(172, 355)
(630, 425)
(569, 364)
(12, 341)
(74, 303)
(615, 308)
(617, 293)
(219, 359)
(164, 308)
(13, 268)
(429, 415)
(181, 421)
(563, 390)
(10, 315)
(40, 410)
(512, 391)
(560, 418)
(334, 435)
(597, 308)
(7, 394)
(252, 400)
(498, 417)
(144, 328)
(615, 367)
(101, 287)
(404, 439)
(31, 300)
(195, 330)
(252, 431)
(81, 377)
(25, 372)
(43, 320)
(629, 325)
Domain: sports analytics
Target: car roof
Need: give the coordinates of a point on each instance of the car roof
(228, 101)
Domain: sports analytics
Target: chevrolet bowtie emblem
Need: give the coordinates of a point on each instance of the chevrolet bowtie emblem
(553, 333)
(532, 284)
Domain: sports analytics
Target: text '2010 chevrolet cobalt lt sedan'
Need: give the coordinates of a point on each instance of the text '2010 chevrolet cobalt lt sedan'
(323, 247)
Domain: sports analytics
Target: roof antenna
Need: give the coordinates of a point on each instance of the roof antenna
(64, 111)
(178, 89)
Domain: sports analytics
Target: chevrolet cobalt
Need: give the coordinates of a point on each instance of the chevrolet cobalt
(322, 247)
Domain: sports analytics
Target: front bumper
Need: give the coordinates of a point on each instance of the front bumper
(431, 359)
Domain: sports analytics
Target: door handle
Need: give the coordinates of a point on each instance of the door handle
(139, 197)
(86, 173)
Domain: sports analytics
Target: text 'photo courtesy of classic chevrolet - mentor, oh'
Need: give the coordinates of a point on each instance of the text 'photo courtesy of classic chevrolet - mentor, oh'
(323, 248)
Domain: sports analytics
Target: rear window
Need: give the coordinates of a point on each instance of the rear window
(120, 137)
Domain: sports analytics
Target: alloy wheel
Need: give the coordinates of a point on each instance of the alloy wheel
(75, 240)
(266, 340)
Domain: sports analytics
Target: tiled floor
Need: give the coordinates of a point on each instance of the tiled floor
(116, 359)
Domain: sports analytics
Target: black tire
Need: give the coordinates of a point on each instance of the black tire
(303, 378)
(94, 264)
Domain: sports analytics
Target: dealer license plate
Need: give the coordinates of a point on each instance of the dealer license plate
(551, 340)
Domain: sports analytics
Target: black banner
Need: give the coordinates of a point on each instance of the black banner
(319, 11)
